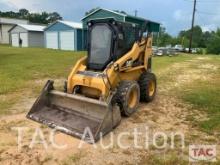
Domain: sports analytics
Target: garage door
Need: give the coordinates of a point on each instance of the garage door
(24, 38)
(52, 40)
(67, 40)
(14, 40)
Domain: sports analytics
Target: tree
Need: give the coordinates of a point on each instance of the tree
(197, 36)
(23, 13)
(213, 45)
(164, 38)
(218, 32)
(123, 12)
(41, 18)
(200, 39)
(90, 11)
(52, 17)
(206, 38)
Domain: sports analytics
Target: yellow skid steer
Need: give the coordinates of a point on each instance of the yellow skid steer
(109, 82)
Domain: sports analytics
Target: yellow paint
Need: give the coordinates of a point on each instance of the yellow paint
(152, 87)
(101, 86)
(133, 98)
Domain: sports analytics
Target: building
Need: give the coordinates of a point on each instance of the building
(118, 16)
(27, 35)
(64, 35)
(5, 25)
(101, 13)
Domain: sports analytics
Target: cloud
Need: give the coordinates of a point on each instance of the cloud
(211, 27)
(208, 20)
(175, 15)
(216, 16)
(32, 5)
(16, 4)
(181, 16)
(4, 7)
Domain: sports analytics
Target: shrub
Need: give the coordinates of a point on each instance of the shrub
(214, 45)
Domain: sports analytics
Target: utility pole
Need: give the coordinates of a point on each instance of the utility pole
(193, 20)
(135, 13)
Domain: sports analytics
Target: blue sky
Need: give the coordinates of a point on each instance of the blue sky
(175, 15)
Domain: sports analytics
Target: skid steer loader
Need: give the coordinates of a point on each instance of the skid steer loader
(109, 82)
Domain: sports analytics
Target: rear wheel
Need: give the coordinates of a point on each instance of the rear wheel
(148, 86)
(127, 97)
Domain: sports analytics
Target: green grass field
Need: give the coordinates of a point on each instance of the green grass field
(205, 95)
(19, 67)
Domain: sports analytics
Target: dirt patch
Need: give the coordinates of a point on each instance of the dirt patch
(203, 58)
(57, 82)
(208, 66)
(191, 76)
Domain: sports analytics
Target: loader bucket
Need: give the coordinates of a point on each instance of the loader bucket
(73, 114)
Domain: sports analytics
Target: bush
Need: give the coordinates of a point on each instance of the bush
(214, 45)
(200, 51)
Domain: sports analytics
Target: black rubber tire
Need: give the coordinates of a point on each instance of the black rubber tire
(122, 97)
(144, 81)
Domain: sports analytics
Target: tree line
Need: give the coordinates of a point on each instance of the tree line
(40, 18)
(207, 40)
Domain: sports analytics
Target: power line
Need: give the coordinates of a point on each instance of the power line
(207, 13)
(208, 1)
(201, 19)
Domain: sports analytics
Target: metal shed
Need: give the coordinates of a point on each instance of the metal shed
(5, 25)
(64, 35)
(101, 13)
(105, 13)
(27, 35)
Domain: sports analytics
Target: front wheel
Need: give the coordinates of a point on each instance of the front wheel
(127, 97)
(148, 86)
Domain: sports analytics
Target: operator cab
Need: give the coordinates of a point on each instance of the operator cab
(108, 40)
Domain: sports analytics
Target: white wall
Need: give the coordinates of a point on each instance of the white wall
(12, 21)
(5, 25)
(5, 35)
(0, 33)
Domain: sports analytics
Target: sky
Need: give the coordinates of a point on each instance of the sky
(174, 15)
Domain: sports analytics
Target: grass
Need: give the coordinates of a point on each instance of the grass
(73, 159)
(6, 103)
(20, 67)
(205, 96)
(162, 63)
(202, 95)
(164, 159)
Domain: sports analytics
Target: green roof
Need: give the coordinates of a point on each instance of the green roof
(151, 25)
